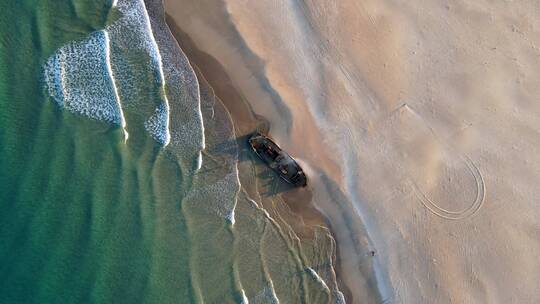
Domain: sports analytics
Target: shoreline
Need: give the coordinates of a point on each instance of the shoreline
(299, 201)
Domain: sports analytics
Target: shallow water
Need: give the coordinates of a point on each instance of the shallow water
(115, 186)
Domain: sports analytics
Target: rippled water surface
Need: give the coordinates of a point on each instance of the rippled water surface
(115, 186)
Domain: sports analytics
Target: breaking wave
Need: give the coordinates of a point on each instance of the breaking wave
(157, 123)
(79, 76)
(132, 35)
(79, 79)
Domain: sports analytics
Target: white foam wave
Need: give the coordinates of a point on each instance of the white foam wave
(115, 89)
(132, 33)
(238, 188)
(90, 78)
(188, 128)
(316, 276)
(244, 298)
(337, 295)
(199, 110)
(157, 123)
(164, 135)
(79, 79)
(267, 295)
(339, 298)
(199, 161)
(203, 143)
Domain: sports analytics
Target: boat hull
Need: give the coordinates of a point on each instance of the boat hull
(278, 160)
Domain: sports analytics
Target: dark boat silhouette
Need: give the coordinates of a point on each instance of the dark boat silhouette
(278, 160)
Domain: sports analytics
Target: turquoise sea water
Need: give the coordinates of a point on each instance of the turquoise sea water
(113, 188)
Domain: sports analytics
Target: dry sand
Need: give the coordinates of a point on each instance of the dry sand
(419, 123)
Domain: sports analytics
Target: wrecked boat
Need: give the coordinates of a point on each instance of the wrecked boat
(278, 160)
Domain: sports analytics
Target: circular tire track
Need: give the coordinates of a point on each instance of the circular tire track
(456, 215)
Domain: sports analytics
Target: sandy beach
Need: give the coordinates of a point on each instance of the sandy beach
(126, 175)
(305, 218)
(417, 123)
(354, 263)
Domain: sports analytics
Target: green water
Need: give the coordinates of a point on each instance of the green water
(87, 218)
(76, 204)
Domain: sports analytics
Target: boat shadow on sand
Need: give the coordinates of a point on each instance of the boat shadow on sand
(239, 148)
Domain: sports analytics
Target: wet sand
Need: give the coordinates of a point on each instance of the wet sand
(304, 214)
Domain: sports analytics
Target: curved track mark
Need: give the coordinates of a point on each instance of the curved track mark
(456, 215)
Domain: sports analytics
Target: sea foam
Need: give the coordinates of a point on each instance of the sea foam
(157, 124)
(97, 77)
(79, 79)
(132, 35)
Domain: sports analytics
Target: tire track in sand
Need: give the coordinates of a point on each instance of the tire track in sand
(472, 168)
(475, 206)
